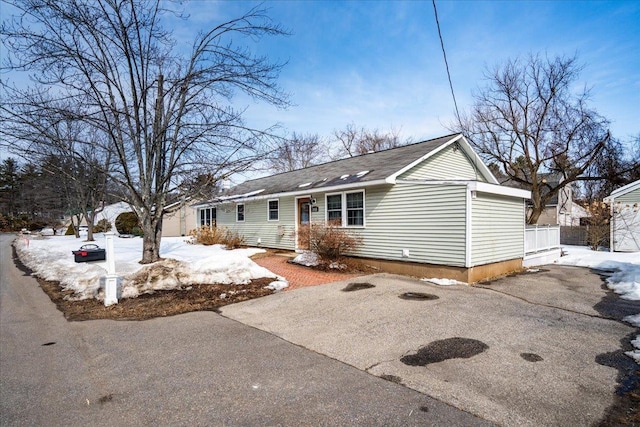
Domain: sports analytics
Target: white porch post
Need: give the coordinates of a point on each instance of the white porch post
(111, 284)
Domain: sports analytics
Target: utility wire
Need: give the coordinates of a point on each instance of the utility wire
(446, 64)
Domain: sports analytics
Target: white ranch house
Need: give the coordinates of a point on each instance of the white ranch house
(431, 209)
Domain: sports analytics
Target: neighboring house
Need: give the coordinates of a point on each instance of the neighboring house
(178, 219)
(561, 209)
(431, 209)
(111, 212)
(108, 212)
(625, 218)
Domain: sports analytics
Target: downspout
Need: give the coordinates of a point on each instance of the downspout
(468, 225)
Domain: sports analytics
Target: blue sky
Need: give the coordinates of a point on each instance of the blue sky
(379, 64)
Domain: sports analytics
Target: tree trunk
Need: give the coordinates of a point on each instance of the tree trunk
(152, 229)
(534, 214)
(76, 228)
(90, 216)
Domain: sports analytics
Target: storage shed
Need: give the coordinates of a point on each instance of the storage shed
(427, 209)
(625, 218)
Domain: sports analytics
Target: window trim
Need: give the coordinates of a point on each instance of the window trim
(343, 207)
(202, 217)
(277, 210)
(244, 212)
(326, 207)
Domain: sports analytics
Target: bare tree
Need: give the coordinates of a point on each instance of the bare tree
(530, 121)
(352, 141)
(617, 165)
(164, 113)
(297, 152)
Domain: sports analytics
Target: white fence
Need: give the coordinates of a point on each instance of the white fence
(540, 238)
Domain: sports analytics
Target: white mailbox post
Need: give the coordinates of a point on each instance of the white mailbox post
(111, 284)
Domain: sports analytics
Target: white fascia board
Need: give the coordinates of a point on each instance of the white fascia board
(477, 161)
(622, 191)
(391, 179)
(301, 192)
(202, 205)
(484, 187)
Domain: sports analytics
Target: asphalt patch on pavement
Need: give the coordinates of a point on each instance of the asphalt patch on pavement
(418, 296)
(357, 287)
(531, 357)
(105, 399)
(441, 350)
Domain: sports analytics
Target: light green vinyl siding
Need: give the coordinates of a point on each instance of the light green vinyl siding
(630, 197)
(497, 228)
(448, 164)
(426, 220)
(273, 234)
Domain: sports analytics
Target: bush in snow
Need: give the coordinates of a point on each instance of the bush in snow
(217, 236)
(102, 226)
(127, 222)
(598, 224)
(329, 240)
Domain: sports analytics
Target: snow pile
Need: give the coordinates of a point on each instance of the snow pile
(308, 259)
(443, 282)
(624, 278)
(184, 265)
(277, 285)
(312, 259)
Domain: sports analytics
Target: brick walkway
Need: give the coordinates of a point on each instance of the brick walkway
(297, 275)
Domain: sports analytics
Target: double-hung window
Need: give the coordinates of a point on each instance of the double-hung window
(334, 208)
(346, 208)
(355, 209)
(273, 207)
(208, 217)
(240, 212)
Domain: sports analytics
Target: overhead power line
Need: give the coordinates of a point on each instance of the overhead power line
(446, 64)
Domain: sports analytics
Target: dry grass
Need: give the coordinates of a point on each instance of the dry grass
(217, 236)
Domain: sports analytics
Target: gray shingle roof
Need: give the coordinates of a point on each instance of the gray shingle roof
(379, 165)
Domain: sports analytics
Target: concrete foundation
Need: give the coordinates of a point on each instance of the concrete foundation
(462, 274)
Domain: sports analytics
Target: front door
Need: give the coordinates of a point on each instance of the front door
(304, 220)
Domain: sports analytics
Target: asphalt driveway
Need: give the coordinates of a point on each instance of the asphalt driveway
(191, 369)
(524, 350)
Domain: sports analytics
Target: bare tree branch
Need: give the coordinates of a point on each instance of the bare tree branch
(164, 116)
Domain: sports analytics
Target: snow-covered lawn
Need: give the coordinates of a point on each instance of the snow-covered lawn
(185, 265)
(624, 279)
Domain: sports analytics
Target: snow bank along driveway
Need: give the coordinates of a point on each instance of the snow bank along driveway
(186, 264)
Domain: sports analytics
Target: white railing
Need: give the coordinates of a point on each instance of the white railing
(539, 238)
